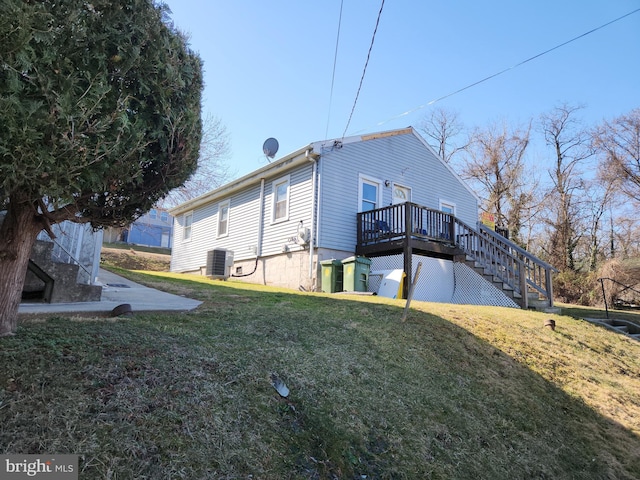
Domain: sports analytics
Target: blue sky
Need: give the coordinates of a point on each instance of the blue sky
(268, 65)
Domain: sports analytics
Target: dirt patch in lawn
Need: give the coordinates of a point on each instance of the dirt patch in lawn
(134, 260)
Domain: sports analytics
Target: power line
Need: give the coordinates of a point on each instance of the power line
(333, 75)
(364, 70)
(507, 69)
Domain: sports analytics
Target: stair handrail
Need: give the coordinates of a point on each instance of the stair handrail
(525, 270)
(604, 295)
(521, 251)
(530, 261)
(73, 259)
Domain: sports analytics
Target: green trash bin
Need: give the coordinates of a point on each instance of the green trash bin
(356, 274)
(331, 276)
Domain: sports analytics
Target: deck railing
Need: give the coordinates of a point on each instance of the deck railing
(497, 255)
(395, 221)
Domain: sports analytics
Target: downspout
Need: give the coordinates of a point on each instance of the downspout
(260, 231)
(312, 230)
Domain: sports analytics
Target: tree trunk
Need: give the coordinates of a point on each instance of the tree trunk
(18, 233)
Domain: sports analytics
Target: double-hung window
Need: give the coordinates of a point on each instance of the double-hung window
(281, 199)
(223, 219)
(186, 226)
(369, 194)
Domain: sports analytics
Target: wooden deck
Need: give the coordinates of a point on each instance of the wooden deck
(394, 229)
(409, 229)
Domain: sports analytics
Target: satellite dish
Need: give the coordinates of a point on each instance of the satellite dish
(270, 147)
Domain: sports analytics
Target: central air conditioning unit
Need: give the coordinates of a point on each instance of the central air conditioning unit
(219, 263)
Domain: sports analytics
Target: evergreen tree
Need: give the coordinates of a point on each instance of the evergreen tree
(99, 119)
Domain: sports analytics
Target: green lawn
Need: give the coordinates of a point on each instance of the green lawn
(455, 392)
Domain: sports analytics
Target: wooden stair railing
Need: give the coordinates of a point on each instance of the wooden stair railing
(513, 264)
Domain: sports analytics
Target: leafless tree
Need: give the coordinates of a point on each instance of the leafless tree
(627, 236)
(619, 141)
(445, 133)
(212, 170)
(571, 147)
(599, 196)
(495, 163)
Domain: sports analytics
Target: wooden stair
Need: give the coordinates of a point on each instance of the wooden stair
(520, 275)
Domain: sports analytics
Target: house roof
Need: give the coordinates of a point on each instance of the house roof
(289, 161)
(294, 159)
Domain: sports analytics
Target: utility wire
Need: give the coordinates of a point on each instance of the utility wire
(364, 70)
(507, 69)
(333, 75)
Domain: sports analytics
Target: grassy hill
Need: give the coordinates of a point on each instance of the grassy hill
(454, 392)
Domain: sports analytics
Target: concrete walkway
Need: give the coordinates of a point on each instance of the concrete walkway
(116, 291)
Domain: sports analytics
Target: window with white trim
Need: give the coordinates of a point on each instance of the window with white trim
(447, 207)
(223, 219)
(164, 217)
(281, 199)
(187, 221)
(446, 229)
(369, 194)
(153, 213)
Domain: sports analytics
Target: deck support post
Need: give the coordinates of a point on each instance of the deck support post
(408, 250)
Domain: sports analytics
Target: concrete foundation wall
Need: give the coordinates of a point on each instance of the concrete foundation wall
(287, 270)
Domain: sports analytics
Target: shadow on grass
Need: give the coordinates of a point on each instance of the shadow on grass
(188, 395)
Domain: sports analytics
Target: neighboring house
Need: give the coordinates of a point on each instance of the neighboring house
(386, 196)
(153, 229)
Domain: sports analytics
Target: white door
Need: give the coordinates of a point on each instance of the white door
(401, 194)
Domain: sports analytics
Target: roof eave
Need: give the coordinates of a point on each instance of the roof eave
(271, 170)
